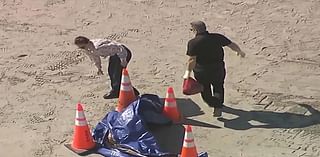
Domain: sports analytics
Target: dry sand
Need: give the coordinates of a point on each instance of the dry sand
(272, 94)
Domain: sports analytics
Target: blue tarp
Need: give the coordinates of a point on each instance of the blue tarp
(124, 134)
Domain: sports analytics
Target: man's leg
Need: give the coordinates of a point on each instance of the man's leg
(218, 85)
(217, 98)
(212, 101)
(206, 78)
(115, 72)
(206, 94)
(218, 91)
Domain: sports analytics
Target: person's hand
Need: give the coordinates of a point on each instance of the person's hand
(100, 72)
(186, 74)
(241, 54)
(124, 63)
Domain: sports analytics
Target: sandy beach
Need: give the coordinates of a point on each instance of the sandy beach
(272, 95)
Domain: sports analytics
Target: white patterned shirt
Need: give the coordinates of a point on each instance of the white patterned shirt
(105, 48)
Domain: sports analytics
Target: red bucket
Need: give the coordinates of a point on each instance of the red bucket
(191, 86)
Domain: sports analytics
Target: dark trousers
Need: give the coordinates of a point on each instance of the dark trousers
(115, 70)
(211, 76)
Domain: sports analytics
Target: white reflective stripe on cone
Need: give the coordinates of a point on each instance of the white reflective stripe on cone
(81, 122)
(188, 143)
(126, 88)
(188, 140)
(170, 100)
(188, 136)
(80, 114)
(125, 79)
(167, 104)
(170, 95)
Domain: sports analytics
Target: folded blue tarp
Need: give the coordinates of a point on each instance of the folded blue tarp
(124, 134)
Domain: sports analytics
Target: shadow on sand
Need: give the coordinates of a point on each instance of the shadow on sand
(170, 137)
(270, 119)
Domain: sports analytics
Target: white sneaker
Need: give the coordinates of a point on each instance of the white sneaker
(217, 112)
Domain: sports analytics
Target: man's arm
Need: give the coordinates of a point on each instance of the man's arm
(191, 63)
(233, 46)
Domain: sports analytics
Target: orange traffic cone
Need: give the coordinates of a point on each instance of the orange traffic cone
(82, 139)
(170, 106)
(126, 95)
(189, 148)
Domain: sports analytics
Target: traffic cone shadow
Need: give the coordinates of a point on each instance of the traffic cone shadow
(169, 137)
(187, 107)
(194, 122)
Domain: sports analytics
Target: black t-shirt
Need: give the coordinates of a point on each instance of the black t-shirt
(208, 48)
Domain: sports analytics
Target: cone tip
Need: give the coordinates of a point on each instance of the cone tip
(79, 107)
(188, 128)
(170, 90)
(125, 71)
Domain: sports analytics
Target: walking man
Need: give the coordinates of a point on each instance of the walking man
(119, 57)
(206, 60)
